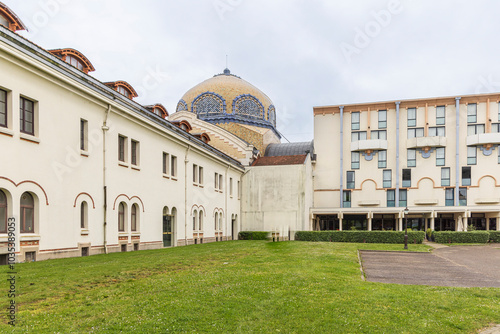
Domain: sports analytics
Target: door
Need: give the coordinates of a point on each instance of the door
(167, 231)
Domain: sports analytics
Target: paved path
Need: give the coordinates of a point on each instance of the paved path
(459, 266)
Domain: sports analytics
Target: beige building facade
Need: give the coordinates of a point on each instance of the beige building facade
(439, 157)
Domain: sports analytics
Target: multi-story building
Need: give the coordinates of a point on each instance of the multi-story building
(439, 157)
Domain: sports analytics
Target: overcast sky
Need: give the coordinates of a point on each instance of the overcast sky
(301, 53)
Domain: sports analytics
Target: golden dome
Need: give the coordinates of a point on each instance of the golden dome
(226, 98)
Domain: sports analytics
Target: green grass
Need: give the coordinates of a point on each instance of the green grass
(238, 287)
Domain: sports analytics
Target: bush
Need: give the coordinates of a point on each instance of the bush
(379, 237)
(495, 236)
(475, 237)
(253, 235)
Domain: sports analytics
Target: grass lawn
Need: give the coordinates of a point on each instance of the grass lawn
(237, 287)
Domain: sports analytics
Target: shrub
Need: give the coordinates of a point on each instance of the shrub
(253, 235)
(380, 237)
(475, 237)
(495, 236)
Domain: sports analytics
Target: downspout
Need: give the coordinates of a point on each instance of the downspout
(225, 199)
(457, 149)
(341, 156)
(186, 161)
(105, 128)
(397, 154)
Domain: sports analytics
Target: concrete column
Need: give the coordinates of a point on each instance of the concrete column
(369, 223)
(498, 223)
(400, 224)
(465, 221)
(340, 223)
(432, 223)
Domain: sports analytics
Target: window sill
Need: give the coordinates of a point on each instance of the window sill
(84, 153)
(136, 168)
(29, 138)
(29, 237)
(84, 232)
(6, 131)
(123, 164)
(174, 178)
(123, 234)
(166, 176)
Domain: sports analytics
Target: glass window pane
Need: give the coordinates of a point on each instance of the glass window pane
(419, 132)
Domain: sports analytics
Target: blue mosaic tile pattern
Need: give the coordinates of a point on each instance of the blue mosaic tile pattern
(209, 104)
(182, 106)
(248, 105)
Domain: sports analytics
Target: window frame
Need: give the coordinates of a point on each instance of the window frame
(471, 155)
(440, 156)
(406, 178)
(134, 152)
(415, 133)
(122, 148)
(84, 134)
(411, 121)
(133, 217)
(121, 216)
(25, 209)
(173, 166)
(472, 113)
(4, 204)
(355, 160)
(387, 178)
(22, 116)
(350, 180)
(462, 196)
(355, 121)
(382, 159)
(391, 203)
(449, 197)
(440, 119)
(445, 179)
(84, 212)
(475, 129)
(437, 131)
(358, 135)
(165, 163)
(403, 198)
(413, 161)
(377, 134)
(466, 181)
(4, 109)
(347, 199)
(382, 119)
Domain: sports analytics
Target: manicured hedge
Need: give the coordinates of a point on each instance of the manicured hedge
(473, 237)
(379, 237)
(253, 235)
(494, 236)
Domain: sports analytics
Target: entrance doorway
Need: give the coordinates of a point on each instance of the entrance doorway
(167, 228)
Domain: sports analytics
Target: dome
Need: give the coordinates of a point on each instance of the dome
(226, 98)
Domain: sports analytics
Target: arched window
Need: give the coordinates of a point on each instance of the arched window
(220, 222)
(74, 62)
(200, 221)
(3, 212)
(27, 213)
(216, 221)
(84, 215)
(195, 215)
(133, 218)
(248, 105)
(271, 115)
(208, 103)
(182, 106)
(121, 217)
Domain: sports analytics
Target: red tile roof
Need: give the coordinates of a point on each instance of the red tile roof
(280, 160)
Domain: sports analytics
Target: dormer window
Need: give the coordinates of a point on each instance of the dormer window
(123, 88)
(75, 62)
(158, 110)
(74, 58)
(184, 127)
(9, 19)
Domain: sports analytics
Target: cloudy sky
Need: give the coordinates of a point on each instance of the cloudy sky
(301, 53)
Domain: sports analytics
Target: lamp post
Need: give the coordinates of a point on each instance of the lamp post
(406, 227)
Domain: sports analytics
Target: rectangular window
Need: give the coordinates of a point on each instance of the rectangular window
(354, 160)
(440, 156)
(412, 117)
(195, 173)
(221, 183)
(134, 152)
(350, 180)
(173, 166)
(165, 163)
(403, 198)
(200, 176)
(462, 196)
(359, 135)
(84, 135)
(466, 176)
(387, 176)
(472, 113)
(382, 119)
(440, 115)
(122, 143)
(475, 129)
(495, 127)
(347, 199)
(3, 108)
(231, 186)
(437, 131)
(355, 121)
(445, 176)
(382, 159)
(380, 134)
(450, 196)
(27, 116)
(471, 155)
(406, 178)
(412, 157)
(415, 132)
(391, 198)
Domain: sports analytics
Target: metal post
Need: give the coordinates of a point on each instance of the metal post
(406, 227)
